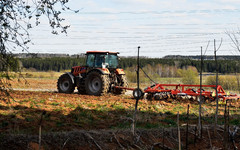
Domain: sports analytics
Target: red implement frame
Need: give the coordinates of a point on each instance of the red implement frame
(188, 89)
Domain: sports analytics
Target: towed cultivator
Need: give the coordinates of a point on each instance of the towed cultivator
(161, 91)
(176, 91)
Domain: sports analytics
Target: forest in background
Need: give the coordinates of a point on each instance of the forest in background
(65, 63)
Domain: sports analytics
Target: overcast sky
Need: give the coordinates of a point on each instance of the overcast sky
(160, 27)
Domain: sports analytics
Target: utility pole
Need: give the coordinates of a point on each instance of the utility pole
(200, 98)
(138, 63)
(138, 96)
(216, 64)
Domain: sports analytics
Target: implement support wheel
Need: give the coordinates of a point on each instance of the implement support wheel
(138, 93)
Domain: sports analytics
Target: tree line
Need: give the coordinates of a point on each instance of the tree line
(65, 63)
(51, 64)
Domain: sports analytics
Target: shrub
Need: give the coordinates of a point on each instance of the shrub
(227, 82)
(189, 75)
(132, 75)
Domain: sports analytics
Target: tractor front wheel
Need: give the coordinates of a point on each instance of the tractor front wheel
(96, 83)
(65, 84)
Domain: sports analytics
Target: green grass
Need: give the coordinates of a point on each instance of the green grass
(179, 108)
(59, 123)
(42, 101)
(123, 125)
(168, 113)
(118, 106)
(29, 119)
(55, 103)
(147, 125)
(36, 74)
(90, 105)
(102, 108)
(69, 105)
(235, 122)
(4, 124)
(170, 122)
(209, 120)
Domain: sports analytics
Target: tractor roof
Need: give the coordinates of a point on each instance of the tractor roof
(101, 52)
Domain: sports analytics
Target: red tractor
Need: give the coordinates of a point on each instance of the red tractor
(99, 76)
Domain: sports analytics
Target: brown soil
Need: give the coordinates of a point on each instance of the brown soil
(73, 121)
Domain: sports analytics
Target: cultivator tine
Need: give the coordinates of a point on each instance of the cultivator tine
(157, 96)
(222, 102)
(149, 96)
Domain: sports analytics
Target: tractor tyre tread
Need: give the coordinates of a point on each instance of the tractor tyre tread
(122, 82)
(104, 83)
(81, 89)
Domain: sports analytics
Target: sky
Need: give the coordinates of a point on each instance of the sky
(159, 27)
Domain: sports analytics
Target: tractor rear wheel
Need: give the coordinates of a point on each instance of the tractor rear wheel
(96, 83)
(122, 81)
(65, 84)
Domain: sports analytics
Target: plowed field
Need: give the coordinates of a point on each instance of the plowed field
(74, 112)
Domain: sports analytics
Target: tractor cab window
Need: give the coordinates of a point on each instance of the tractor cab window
(112, 61)
(99, 60)
(90, 60)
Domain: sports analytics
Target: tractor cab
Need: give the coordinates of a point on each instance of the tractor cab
(102, 59)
